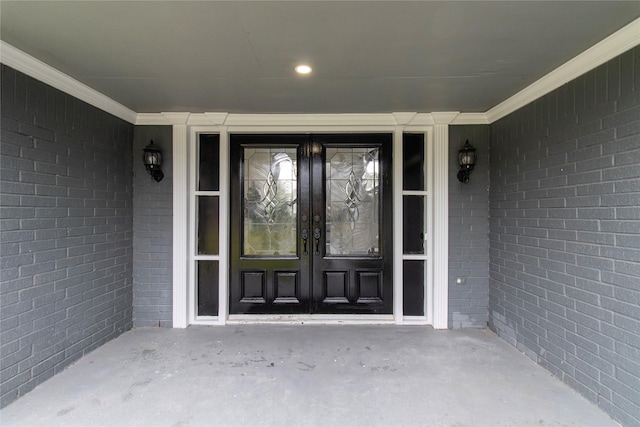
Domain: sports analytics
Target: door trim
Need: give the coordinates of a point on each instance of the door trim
(436, 291)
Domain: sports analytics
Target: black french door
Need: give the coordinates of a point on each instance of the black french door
(311, 224)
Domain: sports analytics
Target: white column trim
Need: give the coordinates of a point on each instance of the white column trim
(180, 221)
(192, 310)
(224, 229)
(430, 224)
(440, 248)
(398, 310)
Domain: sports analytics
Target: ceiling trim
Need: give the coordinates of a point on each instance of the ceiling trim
(444, 117)
(470, 119)
(310, 120)
(315, 120)
(616, 44)
(607, 49)
(37, 69)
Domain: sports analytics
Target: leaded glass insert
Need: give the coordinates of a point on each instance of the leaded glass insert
(352, 203)
(270, 201)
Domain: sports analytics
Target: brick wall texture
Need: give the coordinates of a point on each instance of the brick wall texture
(469, 231)
(66, 238)
(152, 232)
(565, 234)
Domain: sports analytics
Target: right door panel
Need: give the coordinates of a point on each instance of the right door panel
(352, 224)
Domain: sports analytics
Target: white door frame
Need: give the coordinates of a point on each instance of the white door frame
(187, 127)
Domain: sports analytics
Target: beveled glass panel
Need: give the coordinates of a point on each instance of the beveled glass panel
(209, 163)
(207, 288)
(208, 225)
(270, 190)
(413, 161)
(413, 219)
(352, 201)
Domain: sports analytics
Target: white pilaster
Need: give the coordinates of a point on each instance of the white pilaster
(180, 219)
(398, 312)
(223, 271)
(441, 218)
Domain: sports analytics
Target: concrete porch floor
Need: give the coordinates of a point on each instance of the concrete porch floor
(304, 375)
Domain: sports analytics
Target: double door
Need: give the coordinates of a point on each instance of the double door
(311, 224)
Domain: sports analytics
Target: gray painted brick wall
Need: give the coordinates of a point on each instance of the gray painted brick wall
(152, 232)
(66, 231)
(565, 234)
(469, 231)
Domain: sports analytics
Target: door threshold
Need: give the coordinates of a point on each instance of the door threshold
(312, 319)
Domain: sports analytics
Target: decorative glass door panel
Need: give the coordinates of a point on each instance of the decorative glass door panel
(352, 202)
(271, 200)
(307, 216)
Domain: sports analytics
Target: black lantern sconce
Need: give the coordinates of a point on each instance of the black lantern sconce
(152, 158)
(466, 160)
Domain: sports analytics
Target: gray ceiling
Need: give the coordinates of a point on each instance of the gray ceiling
(368, 57)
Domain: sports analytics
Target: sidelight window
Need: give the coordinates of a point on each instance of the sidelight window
(207, 207)
(415, 199)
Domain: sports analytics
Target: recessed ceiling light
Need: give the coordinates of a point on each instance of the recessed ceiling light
(303, 69)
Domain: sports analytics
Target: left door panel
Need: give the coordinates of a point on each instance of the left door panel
(269, 269)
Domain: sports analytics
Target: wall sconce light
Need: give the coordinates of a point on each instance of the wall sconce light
(152, 158)
(466, 160)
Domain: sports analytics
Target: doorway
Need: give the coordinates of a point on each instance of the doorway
(311, 224)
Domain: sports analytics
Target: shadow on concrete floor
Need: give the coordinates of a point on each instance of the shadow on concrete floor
(304, 375)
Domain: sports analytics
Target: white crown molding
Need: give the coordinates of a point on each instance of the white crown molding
(385, 120)
(269, 120)
(211, 119)
(37, 69)
(421, 119)
(444, 117)
(310, 120)
(470, 119)
(453, 118)
(403, 118)
(616, 44)
(151, 119)
(177, 118)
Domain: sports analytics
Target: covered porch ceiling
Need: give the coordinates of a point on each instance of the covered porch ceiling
(367, 57)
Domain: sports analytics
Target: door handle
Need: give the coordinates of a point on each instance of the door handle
(316, 235)
(305, 236)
